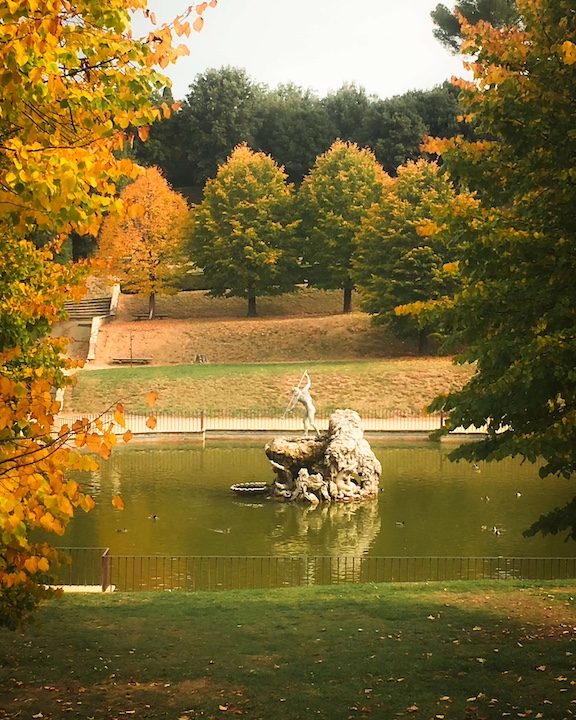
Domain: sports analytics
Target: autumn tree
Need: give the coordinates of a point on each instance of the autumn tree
(74, 84)
(242, 232)
(396, 261)
(333, 199)
(144, 249)
(516, 312)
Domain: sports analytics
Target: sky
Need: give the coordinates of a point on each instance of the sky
(386, 46)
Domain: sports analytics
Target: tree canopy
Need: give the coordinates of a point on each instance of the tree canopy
(243, 231)
(333, 199)
(144, 249)
(396, 262)
(516, 311)
(448, 30)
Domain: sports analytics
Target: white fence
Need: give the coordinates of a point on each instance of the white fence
(225, 421)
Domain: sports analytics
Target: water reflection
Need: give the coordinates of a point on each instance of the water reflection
(428, 507)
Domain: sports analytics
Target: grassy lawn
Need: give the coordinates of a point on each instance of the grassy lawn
(404, 385)
(446, 651)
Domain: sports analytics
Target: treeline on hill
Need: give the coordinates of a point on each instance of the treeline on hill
(225, 107)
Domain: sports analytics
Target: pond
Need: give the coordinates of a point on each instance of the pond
(428, 506)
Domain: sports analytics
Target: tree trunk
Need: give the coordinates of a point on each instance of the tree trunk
(347, 300)
(252, 306)
(422, 342)
(151, 306)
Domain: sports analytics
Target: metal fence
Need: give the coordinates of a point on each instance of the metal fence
(163, 573)
(259, 420)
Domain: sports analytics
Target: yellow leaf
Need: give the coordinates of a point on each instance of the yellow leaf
(31, 564)
(569, 51)
(151, 398)
(127, 436)
(119, 418)
(198, 24)
(118, 503)
(151, 422)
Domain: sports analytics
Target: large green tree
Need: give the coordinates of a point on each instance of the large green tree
(347, 107)
(333, 199)
(243, 232)
(393, 129)
(448, 30)
(295, 128)
(516, 313)
(396, 261)
(220, 111)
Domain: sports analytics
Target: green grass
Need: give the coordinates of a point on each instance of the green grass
(440, 650)
(406, 384)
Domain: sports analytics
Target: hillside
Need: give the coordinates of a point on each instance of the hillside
(254, 363)
(304, 326)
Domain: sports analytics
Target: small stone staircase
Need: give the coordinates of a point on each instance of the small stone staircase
(88, 308)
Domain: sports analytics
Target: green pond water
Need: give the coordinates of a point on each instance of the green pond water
(428, 506)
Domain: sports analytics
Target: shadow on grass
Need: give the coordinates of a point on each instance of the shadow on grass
(453, 651)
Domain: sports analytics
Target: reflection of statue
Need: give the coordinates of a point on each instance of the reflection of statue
(337, 466)
(302, 395)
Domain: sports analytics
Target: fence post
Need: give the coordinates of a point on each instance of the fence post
(105, 570)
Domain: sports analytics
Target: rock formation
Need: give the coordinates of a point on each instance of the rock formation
(337, 466)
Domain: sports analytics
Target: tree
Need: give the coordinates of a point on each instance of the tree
(393, 129)
(347, 108)
(334, 197)
(219, 113)
(242, 232)
(144, 249)
(295, 128)
(396, 262)
(74, 84)
(448, 30)
(516, 312)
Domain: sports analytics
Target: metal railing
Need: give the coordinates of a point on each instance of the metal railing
(271, 420)
(95, 566)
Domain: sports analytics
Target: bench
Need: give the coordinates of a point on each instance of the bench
(145, 316)
(132, 361)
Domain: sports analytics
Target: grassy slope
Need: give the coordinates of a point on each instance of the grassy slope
(449, 650)
(402, 385)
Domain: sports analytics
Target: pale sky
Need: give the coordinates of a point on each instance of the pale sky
(386, 46)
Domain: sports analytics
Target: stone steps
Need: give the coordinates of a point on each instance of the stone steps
(89, 308)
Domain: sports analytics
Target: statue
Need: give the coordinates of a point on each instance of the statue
(339, 465)
(302, 395)
(336, 466)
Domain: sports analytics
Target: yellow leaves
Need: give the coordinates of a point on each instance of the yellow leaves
(568, 52)
(86, 503)
(118, 503)
(127, 436)
(35, 564)
(151, 398)
(151, 422)
(427, 229)
(451, 268)
(119, 416)
(198, 24)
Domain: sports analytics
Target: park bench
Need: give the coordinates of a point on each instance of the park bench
(132, 361)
